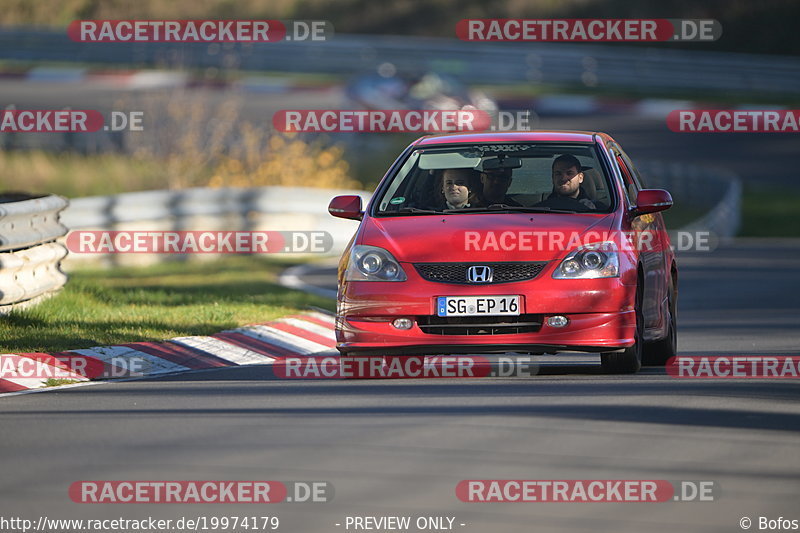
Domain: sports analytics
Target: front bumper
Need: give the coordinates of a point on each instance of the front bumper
(600, 312)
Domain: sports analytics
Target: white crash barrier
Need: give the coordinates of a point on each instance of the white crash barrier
(30, 257)
(208, 209)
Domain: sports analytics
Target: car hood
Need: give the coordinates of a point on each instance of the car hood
(484, 237)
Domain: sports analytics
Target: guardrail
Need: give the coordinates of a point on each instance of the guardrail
(716, 191)
(640, 67)
(207, 209)
(29, 256)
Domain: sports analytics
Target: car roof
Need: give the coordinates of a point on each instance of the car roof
(511, 136)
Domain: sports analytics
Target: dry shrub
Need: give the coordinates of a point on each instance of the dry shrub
(201, 140)
(282, 159)
(186, 132)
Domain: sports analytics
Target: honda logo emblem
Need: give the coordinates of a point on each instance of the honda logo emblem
(479, 274)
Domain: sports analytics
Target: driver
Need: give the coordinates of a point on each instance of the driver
(495, 186)
(567, 191)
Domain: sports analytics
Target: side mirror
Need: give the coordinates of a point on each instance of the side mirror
(348, 206)
(652, 201)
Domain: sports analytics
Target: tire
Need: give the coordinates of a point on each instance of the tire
(658, 353)
(629, 361)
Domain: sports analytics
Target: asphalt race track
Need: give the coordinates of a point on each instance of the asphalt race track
(399, 447)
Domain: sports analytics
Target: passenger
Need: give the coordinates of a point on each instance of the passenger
(456, 188)
(495, 186)
(567, 191)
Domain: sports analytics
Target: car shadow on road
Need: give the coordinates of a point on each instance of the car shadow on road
(650, 397)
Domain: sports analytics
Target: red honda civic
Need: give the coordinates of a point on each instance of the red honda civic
(531, 242)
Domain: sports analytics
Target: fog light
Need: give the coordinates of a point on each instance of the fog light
(557, 321)
(402, 323)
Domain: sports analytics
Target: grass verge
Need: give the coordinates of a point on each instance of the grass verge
(57, 382)
(679, 216)
(155, 303)
(74, 175)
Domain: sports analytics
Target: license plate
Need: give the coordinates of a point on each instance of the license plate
(477, 305)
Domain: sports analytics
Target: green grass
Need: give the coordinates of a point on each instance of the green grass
(102, 307)
(57, 382)
(770, 213)
(678, 216)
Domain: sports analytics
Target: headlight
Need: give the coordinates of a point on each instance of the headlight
(590, 261)
(370, 263)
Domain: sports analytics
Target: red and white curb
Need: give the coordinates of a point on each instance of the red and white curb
(294, 336)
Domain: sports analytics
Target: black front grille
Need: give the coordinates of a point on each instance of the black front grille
(479, 325)
(457, 272)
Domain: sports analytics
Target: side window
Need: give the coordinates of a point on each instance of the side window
(631, 187)
(398, 186)
(629, 182)
(636, 176)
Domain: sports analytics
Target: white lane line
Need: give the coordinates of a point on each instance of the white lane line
(224, 350)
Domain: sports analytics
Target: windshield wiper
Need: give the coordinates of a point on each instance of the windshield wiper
(493, 207)
(523, 209)
(414, 210)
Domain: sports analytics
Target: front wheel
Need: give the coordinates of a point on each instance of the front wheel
(630, 360)
(658, 353)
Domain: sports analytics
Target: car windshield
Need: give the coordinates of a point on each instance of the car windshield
(490, 178)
